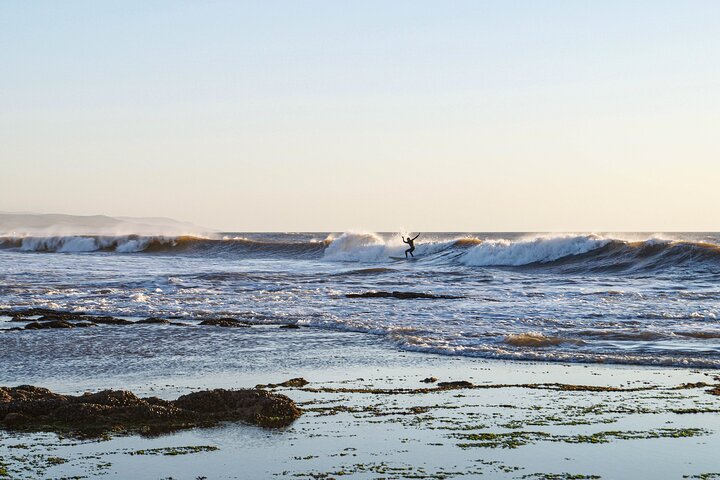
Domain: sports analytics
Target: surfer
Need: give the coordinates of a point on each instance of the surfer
(410, 242)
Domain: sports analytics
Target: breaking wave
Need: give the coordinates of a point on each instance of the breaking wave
(564, 253)
(85, 243)
(373, 247)
(156, 244)
(523, 252)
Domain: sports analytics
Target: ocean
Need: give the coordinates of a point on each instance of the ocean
(639, 299)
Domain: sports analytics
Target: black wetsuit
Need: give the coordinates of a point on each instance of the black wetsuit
(410, 241)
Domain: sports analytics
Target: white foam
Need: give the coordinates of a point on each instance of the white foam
(139, 297)
(77, 244)
(362, 247)
(373, 248)
(526, 251)
(134, 245)
(80, 243)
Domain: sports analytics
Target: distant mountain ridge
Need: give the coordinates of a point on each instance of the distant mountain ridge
(36, 224)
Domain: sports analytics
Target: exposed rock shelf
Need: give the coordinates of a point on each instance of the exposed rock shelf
(38, 409)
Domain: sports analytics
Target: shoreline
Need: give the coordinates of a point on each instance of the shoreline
(368, 414)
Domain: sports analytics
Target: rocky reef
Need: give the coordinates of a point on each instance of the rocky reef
(38, 409)
(45, 318)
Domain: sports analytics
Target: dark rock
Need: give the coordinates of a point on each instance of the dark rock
(46, 318)
(399, 295)
(154, 320)
(13, 329)
(32, 312)
(51, 324)
(292, 383)
(50, 318)
(254, 406)
(108, 320)
(429, 380)
(453, 385)
(180, 324)
(15, 419)
(84, 324)
(47, 315)
(38, 409)
(292, 326)
(224, 322)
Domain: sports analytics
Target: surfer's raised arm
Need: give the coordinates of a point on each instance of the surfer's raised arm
(416, 236)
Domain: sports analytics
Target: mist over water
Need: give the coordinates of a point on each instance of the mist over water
(630, 298)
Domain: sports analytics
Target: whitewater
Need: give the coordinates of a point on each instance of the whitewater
(645, 299)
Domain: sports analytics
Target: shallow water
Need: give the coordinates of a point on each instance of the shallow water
(374, 435)
(634, 299)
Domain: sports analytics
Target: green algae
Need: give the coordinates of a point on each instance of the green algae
(173, 451)
(684, 411)
(560, 476)
(500, 440)
(552, 405)
(463, 385)
(512, 440)
(386, 470)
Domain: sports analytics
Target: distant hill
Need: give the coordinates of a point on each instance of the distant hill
(31, 224)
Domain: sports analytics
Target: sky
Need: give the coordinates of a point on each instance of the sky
(365, 115)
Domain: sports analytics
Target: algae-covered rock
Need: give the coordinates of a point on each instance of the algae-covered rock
(105, 320)
(298, 382)
(453, 385)
(154, 320)
(224, 322)
(714, 391)
(33, 408)
(48, 324)
(48, 315)
(258, 407)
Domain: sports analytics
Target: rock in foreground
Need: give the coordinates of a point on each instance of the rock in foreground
(34, 408)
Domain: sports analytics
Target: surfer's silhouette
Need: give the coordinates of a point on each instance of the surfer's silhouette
(410, 242)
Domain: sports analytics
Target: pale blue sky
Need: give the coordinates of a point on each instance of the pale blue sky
(335, 115)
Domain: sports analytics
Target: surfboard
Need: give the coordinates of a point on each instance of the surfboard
(402, 258)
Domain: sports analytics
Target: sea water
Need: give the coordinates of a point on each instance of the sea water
(643, 299)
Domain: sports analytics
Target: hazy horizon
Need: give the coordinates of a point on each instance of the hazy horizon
(43, 224)
(374, 116)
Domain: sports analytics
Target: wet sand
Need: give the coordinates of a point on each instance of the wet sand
(368, 413)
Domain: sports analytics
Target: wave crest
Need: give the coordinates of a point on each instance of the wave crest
(84, 243)
(538, 340)
(524, 252)
(562, 253)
